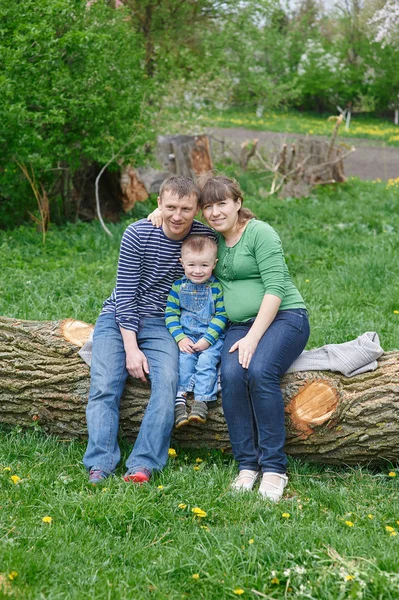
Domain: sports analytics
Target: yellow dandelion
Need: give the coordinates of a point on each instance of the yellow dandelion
(251, 541)
(195, 575)
(307, 280)
(393, 533)
(198, 460)
(349, 577)
(238, 591)
(395, 312)
(160, 487)
(198, 512)
(389, 528)
(205, 527)
(172, 452)
(47, 519)
(349, 523)
(275, 581)
(12, 575)
(7, 469)
(105, 489)
(391, 474)
(370, 516)
(397, 522)
(181, 505)
(286, 515)
(196, 468)
(15, 479)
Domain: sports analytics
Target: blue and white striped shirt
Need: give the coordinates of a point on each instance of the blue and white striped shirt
(148, 265)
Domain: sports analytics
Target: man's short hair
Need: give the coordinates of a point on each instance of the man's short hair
(179, 186)
(198, 243)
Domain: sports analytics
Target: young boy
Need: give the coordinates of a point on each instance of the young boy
(196, 317)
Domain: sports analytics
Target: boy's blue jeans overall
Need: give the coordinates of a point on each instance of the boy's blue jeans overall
(198, 371)
(252, 400)
(108, 378)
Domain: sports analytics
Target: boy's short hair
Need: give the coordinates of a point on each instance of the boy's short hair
(198, 243)
(179, 186)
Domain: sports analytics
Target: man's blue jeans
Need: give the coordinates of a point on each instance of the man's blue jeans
(252, 400)
(108, 378)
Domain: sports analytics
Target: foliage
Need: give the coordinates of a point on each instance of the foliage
(331, 537)
(71, 89)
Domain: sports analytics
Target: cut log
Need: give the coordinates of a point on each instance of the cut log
(330, 418)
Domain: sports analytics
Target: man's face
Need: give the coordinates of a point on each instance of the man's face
(178, 214)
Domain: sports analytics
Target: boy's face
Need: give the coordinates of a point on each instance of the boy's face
(178, 214)
(198, 266)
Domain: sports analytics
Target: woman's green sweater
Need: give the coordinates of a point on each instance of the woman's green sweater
(253, 267)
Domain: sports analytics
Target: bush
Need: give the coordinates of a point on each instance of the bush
(71, 87)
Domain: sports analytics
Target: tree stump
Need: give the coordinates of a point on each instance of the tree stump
(330, 418)
(185, 155)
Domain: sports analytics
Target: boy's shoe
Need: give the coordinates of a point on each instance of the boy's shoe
(97, 476)
(272, 486)
(199, 412)
(245, 480)
(137, 477)
(181, 416)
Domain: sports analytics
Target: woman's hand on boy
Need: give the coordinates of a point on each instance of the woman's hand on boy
(201, 345)
(156, 217)
(186, 345)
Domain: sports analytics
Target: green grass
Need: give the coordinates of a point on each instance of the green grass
(120, 541)
(291, 121)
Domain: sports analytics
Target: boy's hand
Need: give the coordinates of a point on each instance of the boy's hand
(156, 217)
(186, 345)
(201, 345)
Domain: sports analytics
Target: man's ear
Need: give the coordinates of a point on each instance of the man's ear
(159, 203)
(180, 261)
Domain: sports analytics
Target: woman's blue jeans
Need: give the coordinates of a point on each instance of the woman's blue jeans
(252, 400)
(108, 378)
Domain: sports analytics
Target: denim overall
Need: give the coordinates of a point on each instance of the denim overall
(198, 371)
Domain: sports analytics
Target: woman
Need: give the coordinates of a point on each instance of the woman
(269, 329)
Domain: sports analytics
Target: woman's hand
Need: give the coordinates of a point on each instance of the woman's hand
(186, 345)
(246, 347)
(156, 217)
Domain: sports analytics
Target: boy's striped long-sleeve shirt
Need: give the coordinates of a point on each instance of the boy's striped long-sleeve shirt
(173, 311)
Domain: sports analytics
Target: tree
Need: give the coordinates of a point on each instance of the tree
(72, 89)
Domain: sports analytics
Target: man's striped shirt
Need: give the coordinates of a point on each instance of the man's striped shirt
(148, 265)
(173, 311)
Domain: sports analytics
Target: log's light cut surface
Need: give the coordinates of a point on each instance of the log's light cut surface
(330, 418)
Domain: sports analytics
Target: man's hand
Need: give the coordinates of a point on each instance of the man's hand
(246, 348)
(156, 217)
(201, 345)
(137, 364)
(186, 345)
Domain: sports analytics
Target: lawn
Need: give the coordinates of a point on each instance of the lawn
(334, 535)
(375, 129)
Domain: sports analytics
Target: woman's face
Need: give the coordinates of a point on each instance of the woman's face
(223, 215)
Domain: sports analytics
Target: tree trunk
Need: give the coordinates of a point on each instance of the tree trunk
(330, 418)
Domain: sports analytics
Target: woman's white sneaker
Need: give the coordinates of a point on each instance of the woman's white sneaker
(245, 480)
(272, 486)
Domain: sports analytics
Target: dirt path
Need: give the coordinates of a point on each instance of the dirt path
(368, 162)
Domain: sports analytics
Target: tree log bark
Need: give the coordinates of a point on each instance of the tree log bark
(329, 418)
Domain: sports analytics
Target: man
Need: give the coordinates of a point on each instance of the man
(130, 337)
